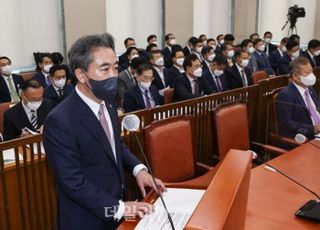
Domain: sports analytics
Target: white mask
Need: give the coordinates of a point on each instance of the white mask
(199, 49)
(180, 61)
(6, 70)
(204, 42)
(172, 42)
(217, 72)
(214, 47)
(251, 50)
(262, 48)
(134, 56)
(211, 57)
(316, 53)
(145, 85)
(284, 49)
(230, 53)
(60, 83)
(221, 42)
(159, 62)
(197, 72)
(155, 42)
(308, 80)
(46, 68)
(267, 40)
(295, 54)
(34, 105)
(244, 63)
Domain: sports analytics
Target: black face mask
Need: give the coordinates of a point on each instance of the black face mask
(104, 90)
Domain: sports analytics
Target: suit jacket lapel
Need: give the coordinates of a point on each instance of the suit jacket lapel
(298, 96)
(24, 117)
(187, 83)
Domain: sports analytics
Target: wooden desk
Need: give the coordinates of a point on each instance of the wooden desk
(273, 199)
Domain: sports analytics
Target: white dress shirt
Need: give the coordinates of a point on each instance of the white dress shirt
(280, 52)
(27, 111)
(152, 102)
(192, 83)
(160, 72)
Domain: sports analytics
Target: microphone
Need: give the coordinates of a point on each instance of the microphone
(131, 123)
(300, 138)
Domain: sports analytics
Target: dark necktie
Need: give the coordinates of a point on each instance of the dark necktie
(34, 119)
(196, 87)
(243, 78)
(148, 103)
(104, 123)
(60, 92)
(219, 87)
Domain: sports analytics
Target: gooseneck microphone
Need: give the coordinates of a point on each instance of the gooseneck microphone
(131, 123)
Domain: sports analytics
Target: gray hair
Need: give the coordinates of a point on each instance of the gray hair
(296, 64)
(80, 54)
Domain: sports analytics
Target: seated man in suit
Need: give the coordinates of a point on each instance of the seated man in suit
(214, 76)
(211, 42)
(292, 53)
(144, 95)
(177, 69)
(220, 42)
(9, 83)
(313, 52)
(208, 55)
(267, 37)
(152, 39)
(247, 45)
(277, 54)
(43, 76)
(227, 51)
(29, 113)
(254, 36)
(58, 90)
(197, 46)
(229, 39)
(123, 58)
(298, 105)
(131, 53)
(170, 40)
(187, 50)
(239, 75)
(260, 58)
(160, 74)
(203, 38)
(190, 84)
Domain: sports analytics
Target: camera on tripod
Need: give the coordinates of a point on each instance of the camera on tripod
(294, 12)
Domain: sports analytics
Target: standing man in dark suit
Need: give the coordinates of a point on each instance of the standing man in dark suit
(160, 74)
(227, 51)
(190, 84)
(220, 42)
(313, 53)
(9, 83)
(292, 53)
(29, 113)
(144, 95)
(170, 40)
(177, 69)
(214, 76)
(239, 75)
(123, 58)
(277, 54)
(187, 50)
(298, 105)
(82, 143)
(58, 90)
(260, 58)
(43, 76)
(269, 46)
(208, 55)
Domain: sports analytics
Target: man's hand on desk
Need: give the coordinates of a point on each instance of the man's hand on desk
(144, 179)
(133, 209)
(317, 128)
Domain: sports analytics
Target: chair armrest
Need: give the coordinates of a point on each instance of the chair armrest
(285, 140)
(270, 148)
(203, 167)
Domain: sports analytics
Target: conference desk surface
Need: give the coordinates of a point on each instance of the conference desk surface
(273, 199)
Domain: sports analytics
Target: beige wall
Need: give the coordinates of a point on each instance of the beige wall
(179, 19)
(317, 22)
(83, 17)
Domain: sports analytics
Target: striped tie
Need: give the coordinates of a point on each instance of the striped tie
(34, 119)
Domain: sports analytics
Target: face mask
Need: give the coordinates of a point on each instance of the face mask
(204, 42)
(244, 63)
(46, 68)
(134, 56)
(155, 42)
(172, 42)
(214, 47)
(221, 42)
(295, 54)
(159, 62)
(34, 105)
(211, 57)
(251, 50)
(284, 49)
(197, 72)
(230, 53)
(180, 61)
(145, 85)
(198, 49)
(267, 40)
(60, 83)
(217, 72)
(316, 53)
(106, 89)
(6, 70)
(262, 48)
(308, 80)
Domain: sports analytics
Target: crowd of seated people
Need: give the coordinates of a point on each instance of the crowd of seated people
(203, 66)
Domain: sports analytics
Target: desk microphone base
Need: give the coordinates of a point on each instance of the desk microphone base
(310, 211)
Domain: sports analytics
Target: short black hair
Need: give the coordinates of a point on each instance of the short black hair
(129, 50)
(201, 36)
(194, 42)
(30, 83)
(239, 52)
(291, 43)
(206, 49)
(284, 40)
(57, 67)
(136, 62)
(294, 37)
(191, 39)
(167, 36)
(220, 35)
(229, 37)
(143, 67)
(150, 46)
(220, 60)
(210, 40)
(225, 46)
(245, 43)
(256, 41)
(152, 36)
(127, 40)
(266, 33)
(188, 61)
(314, 43)
(4, 57)
(254, 34)
(176, 47)
(43, 55)
(174, 52)
(153, 53)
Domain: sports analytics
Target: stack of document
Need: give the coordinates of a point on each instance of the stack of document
(9, 156)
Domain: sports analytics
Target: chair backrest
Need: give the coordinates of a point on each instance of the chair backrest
(273, 121)
(224, 204)
(169, 148)
(3, 108)
(27, 75)
(258, 76)
(232, 127)
(168, 96)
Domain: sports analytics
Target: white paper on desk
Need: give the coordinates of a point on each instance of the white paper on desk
(9, 156)
(35, 148)
(180, 203)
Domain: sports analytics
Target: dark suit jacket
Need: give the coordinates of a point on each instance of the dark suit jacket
(272, 47)
(90, 182)
(207, 77)
(40, 78)
(294, 118)
(186, 51)
(133, 98)
(316, 59)
(123, 62)
(173, 73)
(262, 62)
(167, 57)
(51, 94)
(15, 119)
(183, 91)
(284, 64)
(157, 80)
(234, 78)
(204, 66)
(274, 58)
(4, 90)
